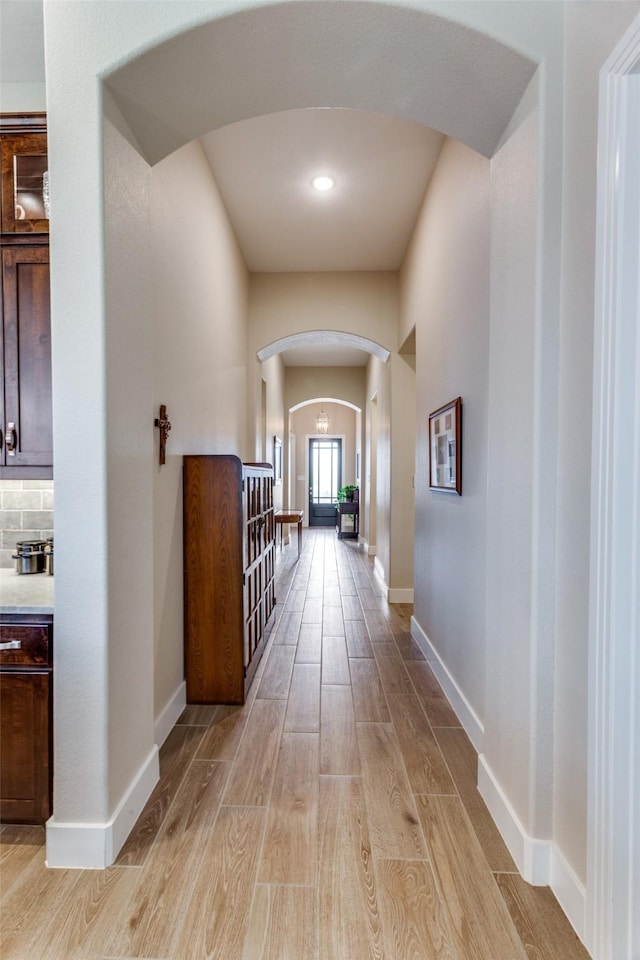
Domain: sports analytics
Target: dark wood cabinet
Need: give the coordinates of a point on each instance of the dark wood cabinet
(25, 341)
(25, 179)
(26, 360)
(26, 704)
(229, 574)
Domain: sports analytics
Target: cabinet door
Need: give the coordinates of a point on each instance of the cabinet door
(25, 197)
(25, 792)
(26, 422)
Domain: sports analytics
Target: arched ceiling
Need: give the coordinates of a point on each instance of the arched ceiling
(264, 169)
(362, 90)
(324, 348)
(385, 58)
(315, 400)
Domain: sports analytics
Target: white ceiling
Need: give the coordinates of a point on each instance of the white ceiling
(382, 163)
(264, 168)
(381, 166)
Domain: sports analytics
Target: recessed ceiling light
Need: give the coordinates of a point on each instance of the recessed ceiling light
(323, 183)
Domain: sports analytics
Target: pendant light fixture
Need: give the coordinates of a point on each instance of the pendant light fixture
(322, 422)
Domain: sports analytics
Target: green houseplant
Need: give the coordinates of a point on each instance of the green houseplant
(346, 493)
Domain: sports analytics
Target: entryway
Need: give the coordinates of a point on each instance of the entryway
(325, 479)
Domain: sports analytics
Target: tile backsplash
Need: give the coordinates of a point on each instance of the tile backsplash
(26, 513)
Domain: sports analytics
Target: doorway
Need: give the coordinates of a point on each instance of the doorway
(372, 477)
(613, 879)
(325, 479)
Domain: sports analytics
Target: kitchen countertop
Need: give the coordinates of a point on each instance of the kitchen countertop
(25, 593)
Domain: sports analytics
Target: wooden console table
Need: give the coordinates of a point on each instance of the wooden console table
(290, 516)
(348, 508)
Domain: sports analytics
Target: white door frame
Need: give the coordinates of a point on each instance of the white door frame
(613, 867)
(315, 436)
(371, 474)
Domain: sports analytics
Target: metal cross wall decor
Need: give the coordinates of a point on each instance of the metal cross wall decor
(164, 425)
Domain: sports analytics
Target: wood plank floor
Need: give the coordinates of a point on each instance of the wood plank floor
(333, 817)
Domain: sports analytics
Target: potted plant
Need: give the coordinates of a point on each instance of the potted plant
(346, 493)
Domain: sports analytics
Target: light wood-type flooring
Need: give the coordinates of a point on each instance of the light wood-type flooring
(333, 817)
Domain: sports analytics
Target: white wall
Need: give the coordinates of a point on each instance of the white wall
(199, 293)
(402, 434)
(307, 383)
(377, 484)
(177, 303)
(511, 641)
(388, 512)
(591, 33)
(22, 79)
(445, 295)
(281, 304)
(273, 374)
(129, 504)
(23, 98)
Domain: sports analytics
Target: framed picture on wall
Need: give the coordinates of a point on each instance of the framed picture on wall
(445, 448)
(277, 459)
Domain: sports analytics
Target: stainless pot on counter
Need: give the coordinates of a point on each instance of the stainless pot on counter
(30, 556)
(48, 556)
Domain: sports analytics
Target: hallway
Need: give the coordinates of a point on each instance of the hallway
(333, 817)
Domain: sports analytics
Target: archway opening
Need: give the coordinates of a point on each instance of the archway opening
(325, 454)
(403, 61)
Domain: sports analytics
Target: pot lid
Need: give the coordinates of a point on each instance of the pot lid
(30, 546)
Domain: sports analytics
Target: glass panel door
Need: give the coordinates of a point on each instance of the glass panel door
(325, 479)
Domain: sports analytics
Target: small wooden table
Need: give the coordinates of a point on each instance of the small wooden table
(290, 516)
(348, 508)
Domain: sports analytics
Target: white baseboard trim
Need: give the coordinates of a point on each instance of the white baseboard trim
(469, 719)
(399, 595)
(570, 893)
(369, 548)
(392, 594)
(168, 716)
(532, 857)
(539, 861)
(95, 846)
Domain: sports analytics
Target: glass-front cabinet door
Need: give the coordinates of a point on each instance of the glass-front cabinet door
(25, 178)
(25, 322)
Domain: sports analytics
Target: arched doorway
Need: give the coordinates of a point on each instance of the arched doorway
(343, 389)
(409, 61)
(325, 462)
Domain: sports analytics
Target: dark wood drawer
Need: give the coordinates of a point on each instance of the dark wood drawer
(25, 642)
(25, 743)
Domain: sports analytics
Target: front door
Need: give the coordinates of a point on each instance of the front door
(325, 479)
